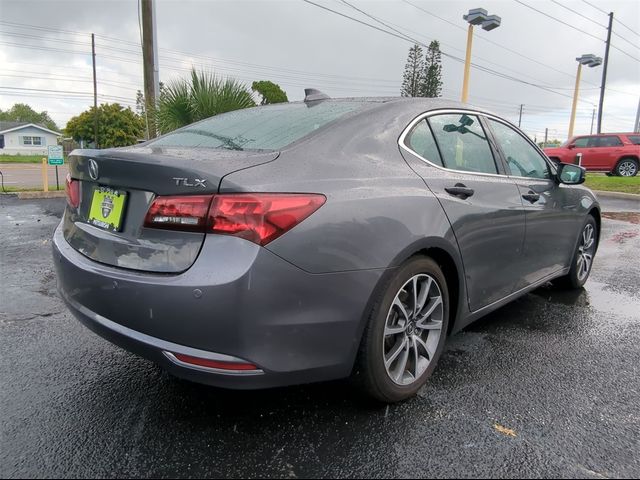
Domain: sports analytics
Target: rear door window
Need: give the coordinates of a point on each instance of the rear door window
(463, 143)
(269, 127)
(610, 141)
(421, 141)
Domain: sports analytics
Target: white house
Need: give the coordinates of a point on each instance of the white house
(22, 138)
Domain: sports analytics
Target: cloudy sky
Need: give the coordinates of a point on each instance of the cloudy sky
(46, 62)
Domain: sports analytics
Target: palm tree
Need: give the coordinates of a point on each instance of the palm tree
(204, 95)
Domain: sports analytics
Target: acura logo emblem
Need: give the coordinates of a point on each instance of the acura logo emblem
(93, 169)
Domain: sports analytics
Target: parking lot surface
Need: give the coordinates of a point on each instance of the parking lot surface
(547, 386)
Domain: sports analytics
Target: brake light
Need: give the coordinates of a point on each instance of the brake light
(257, 217)
(72, 187)
(179, 213)
(260, 217)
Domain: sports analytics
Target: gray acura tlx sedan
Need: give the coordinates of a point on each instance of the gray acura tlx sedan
(317, 240)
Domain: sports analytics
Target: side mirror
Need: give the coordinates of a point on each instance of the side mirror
(571, 145)
(571, 174)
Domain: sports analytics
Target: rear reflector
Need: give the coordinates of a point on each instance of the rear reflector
(204, 362)
(72, 187)
(257, 217)
(179, 213)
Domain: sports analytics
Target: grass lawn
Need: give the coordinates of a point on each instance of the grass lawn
(21, 158)
(614, 184)
(14, 189)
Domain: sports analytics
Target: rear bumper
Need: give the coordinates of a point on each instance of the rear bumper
(238, 302)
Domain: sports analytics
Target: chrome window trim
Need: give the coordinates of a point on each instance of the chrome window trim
(431, 113)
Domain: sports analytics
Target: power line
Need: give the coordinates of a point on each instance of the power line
(519, 54)
(557, 20)
(597, 8)
(453, 57)
(579, 14)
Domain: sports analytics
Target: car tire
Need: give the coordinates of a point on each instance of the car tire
(375, 373)
(556, 161)
(582, 260)
(627, 167)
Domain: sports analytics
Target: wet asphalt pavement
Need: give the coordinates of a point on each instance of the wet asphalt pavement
(547, 386)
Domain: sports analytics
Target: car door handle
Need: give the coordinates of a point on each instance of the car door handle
(460, 190)
(532, 197)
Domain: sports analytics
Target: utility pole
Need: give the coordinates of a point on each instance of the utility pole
(604, 72)
(637, 125)
(546, 137)
(95, 91)
(520, 117)
(593, 116)
(150, 62)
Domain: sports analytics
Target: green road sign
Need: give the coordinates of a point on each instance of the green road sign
(56, 156)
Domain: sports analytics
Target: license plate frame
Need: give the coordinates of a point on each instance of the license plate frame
(107, 208)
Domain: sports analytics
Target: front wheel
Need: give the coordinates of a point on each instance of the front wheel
(406, 332)
(583, 257)
(627, 167)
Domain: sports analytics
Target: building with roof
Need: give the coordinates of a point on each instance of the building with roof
(24, 138)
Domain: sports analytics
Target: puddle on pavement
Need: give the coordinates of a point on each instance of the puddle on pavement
(602, 298)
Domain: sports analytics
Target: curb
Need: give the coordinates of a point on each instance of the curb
(31, 195)
(625, 196)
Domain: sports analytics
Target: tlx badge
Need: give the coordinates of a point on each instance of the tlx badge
(185, 182)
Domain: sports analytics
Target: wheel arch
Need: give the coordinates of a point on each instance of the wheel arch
(595, 213)
(446, 255)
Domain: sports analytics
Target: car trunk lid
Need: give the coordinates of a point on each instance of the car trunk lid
(118, 186)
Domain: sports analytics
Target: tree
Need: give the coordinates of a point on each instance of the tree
(117, 126)
(22, 112)
(413, 73)
(432, 79)
(270, 92)
(202, 96)
(140, 101)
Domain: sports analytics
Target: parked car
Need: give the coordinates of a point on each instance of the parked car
(616, 153)
(317, 240)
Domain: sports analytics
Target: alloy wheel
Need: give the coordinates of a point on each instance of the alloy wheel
(412, 329)
(627, 169)
(586, 251)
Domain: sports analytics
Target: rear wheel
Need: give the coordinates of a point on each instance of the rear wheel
(627, 167)
(583, 257)
(406, 332)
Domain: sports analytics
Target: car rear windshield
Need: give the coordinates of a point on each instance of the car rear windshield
(270, 127)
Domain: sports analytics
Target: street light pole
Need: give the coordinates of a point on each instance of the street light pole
(591, 61)
(476, 16)
(572, 122)
(467, 65)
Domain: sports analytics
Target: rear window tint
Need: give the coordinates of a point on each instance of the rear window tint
(265, 128)
(609, 142)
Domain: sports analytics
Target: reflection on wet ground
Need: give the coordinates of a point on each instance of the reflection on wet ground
(546, 386)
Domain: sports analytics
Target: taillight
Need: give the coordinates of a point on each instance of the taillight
(72, 187)
(257, 217)
(179, 213)
(260, 217)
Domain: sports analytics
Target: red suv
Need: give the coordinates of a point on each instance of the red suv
(618, 153)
